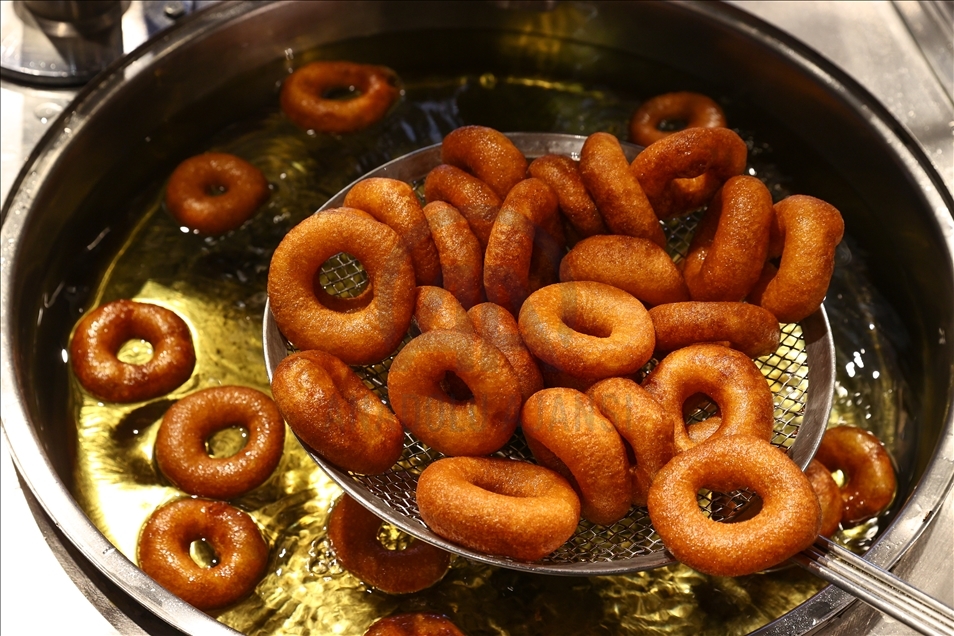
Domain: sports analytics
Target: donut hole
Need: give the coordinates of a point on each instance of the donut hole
(342, 284)
(728, 506)
(215, 189)
(455, 387)
(135, 351)
(204, 555)
(226, 442)
(341, 93)
(672, 124)
(588, 327)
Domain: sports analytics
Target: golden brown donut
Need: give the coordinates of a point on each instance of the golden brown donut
(461, 256)
(168, 534)
(331, 410)
(787, 523)
(569, 435)
(215, 192)
(487, 154)
(99, 336)
(642, 423)
(586, 329)
(727, 376)
(416, 624)
(729, 247)
(562, 174)
(870, 482)
(436, 308)
(829, 497)
(395, 204)
(475, 200)
(747, 328)
(181, 441)
(521, 256)
(497, 326)
(617, 192)
(694, 109)
(498, 506)
(366, 335)
(353, 533)
(303, 95)
(809, 230)
(479, 425)
(636, 265)
(682, 172)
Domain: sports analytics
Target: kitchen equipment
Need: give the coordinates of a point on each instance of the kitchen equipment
(841, 121)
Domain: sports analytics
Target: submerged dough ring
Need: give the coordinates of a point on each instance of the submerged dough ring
(727, 376)
(587, 330)
(303, 101)
(787, 523)
(366, 335)
(331, 410)
(568, 434)
(870, 482)
(695, 109)
(181, 441)
(479, 425)
(498, 506)
(683, 171)
(414, 624)
(167, 535)
(353, 533)
(101, 333)
(215, 192)
(829, 497)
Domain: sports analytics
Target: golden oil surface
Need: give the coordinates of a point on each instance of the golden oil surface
(217, 285)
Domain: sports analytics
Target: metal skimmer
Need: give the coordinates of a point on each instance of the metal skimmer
(630, 544)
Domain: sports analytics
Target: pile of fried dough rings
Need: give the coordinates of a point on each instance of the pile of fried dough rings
(541, 290)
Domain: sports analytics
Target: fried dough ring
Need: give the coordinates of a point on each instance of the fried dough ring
(99, 336)
(569, 435)
(163, 551)
(181, 441)
(302, 96)
(562, 174)
(636, 265)
(829, 497)
(394, 203)
(787, 523)
(588, 330)
(487, 154)
(618, 193)
(475, 200)
(331, 410)
(461, 256)
(353, 533)
(498, 506)
(436, 308)
(682, 172)
(695, 109)
(809, 230)
(730, 245)
(727, 376)
(414, 624)
(479, 425)
(497, 326)
(365, 335)
(642, 423)
(747, 328)
(215, 192)
(521, 255)
(870, 482)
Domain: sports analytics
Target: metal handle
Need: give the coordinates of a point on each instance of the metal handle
(877, 587)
